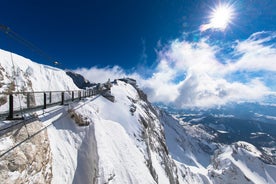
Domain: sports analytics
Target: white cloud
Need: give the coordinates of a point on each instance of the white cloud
(190, 75)
(160, 87)
(206, 83)
(255, 56)
(205, 91)
(100, 75)
(193, 57)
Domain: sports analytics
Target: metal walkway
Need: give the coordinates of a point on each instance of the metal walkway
(16, 104)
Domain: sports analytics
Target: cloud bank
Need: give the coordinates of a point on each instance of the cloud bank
(100, 75)
(190, 74)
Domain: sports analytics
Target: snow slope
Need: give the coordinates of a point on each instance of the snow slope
(125, 141)
(31, 76)
(207, 161)
(116, 146)
(240, 163)
(18, 74)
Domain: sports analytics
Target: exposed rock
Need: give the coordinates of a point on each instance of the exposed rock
(155, 139)
(31, 161)
(78, 118)
(79, 80)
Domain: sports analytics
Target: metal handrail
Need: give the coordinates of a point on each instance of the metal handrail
(21, 92)
(42, 102)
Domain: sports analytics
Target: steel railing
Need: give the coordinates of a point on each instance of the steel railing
(12, 105)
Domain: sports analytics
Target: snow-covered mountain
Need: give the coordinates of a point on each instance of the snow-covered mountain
(18, 74)
(125, 141)
(222, 149)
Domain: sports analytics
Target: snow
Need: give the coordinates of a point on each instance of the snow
(118, 111)
(43, 77)
(243, 158)
(162, 178)
(121, 156)
(29, 76)
(257, 133)
(237, 163)
(5, 143)
(184, 150)
(253, 175)
(116, 147)
(65, 140)
(250, 148)
(64, 152)
(14, 175)
(222, 131)
(265, 116)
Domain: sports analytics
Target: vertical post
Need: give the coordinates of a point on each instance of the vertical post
(28, 100)
(50, 97)
(10, 107)
(44, 100)
(79, 95)
(62, 98)
(72, 95)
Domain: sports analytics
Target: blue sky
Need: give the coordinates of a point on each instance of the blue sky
(87, 33)
(145, 39)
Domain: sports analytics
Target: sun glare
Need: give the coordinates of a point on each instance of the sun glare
(220, 18)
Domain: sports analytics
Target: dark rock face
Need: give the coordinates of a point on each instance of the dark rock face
(79, 80)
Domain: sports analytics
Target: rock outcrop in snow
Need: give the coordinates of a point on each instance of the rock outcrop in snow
(30, 162)
(79, 80)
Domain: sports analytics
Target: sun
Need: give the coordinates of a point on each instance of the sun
(221, 16)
